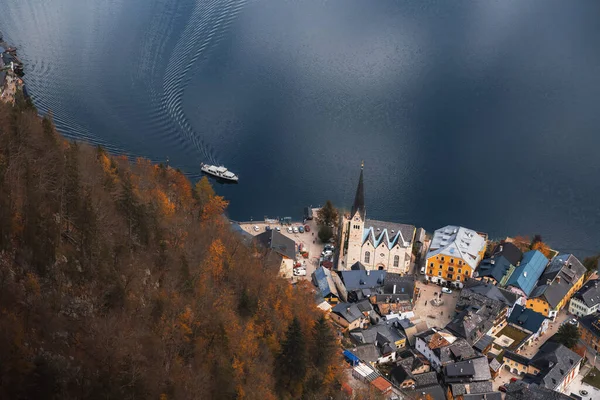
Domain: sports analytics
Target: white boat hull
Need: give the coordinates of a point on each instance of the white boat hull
(219, 172)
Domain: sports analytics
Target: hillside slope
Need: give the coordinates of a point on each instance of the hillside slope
(120, 280)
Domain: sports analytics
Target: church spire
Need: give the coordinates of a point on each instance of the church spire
(359, 199)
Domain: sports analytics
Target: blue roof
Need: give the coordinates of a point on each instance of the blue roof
(2, 50)
(320, 276)
(527, 274)
(354, 360)
(526, 318)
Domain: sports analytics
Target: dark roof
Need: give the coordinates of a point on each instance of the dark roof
(363, 279)
(527, 274)
(399, 374)
(516, 357)
(359, 198)
(476, 369)
(382, 333)
(495, 267)
(426, 379)
(477, 315)
(388, 233)
(482, 343)
(483, 396)
(526, 318)
(520, 390)
(589, 294)
(558, 278)
(487, 290)
(509, 251)
(352, 311)
(398, 284)
(592, 323)
(366, 352)
(434, 392)
(278, 242)
(555, 361)
(357, 266)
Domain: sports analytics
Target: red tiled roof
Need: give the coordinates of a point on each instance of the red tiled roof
(381, 384)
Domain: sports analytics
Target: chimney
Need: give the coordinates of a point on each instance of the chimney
(368, 272)
(461, 370)
(558, 279)
(347, 309)
(548, 281)
(501, 248)
(570, 266)
(394, 291)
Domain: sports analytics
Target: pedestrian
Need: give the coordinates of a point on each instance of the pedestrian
(425, 302)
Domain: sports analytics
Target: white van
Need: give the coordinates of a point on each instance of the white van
(422, 270)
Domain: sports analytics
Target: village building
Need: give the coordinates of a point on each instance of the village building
(454, 254)
(378, 245)
(353, 315)
(553, 367)
(426, 388)
(528, 321)
(589, 327)
(327, 284)
(524, 277)
(521, 391)
(440, 347)
(281, 249)
(561, 279)
(497, 268)
(385, 337)
(586, 300)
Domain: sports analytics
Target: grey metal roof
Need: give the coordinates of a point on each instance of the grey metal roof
(589, 294)
(352, 311)
(456, 241)
(521, 391)
(482, 343)
(476, 369)
(516, 357)
(526, 318)
(425, 379)
(366, 352)
(398, 284)
(363, 279)
(278, 242)
(555, 361)
(473, 287)
(434, 391)
(471, 388)
(389, 233)
(384, 332)
(558, 278)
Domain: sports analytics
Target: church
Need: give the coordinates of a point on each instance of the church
(375, 245)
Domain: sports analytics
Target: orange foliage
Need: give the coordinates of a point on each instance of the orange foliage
(542, 248)
(214, 208)
(165, 206)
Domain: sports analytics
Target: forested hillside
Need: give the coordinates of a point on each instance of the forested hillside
(120, 280)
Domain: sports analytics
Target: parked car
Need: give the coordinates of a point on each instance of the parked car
(513, 379)
(572, 321)
(300, 272)
(289, 229)
(278, 229)
(326, 253)
(422, 270)
(256, 228)
(306, 228)
(446, 290)
(502, 388)
(301, 229)
(295, 229)
(267, 228)
(329, 247)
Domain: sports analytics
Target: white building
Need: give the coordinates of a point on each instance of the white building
(377, 245)
(586, 300)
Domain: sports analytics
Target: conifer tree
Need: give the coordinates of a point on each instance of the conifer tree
(291, 363)
(324, 344)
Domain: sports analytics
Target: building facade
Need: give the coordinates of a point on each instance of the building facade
(378, 245)
(454, 254)
(586, 300)
(589, 327)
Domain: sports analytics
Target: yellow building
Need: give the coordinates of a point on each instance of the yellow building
(589, 327)
(454, 254)
(562, 278)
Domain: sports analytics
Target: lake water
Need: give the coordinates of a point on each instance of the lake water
(479, 113)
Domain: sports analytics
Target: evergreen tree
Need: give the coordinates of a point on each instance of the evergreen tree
(291, 363)
(568, 335)
(325, 233)
(327, 215)
(324, 344)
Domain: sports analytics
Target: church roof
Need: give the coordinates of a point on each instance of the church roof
(359, 198)
(389, 233)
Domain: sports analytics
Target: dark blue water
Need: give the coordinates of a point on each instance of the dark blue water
(479, 113)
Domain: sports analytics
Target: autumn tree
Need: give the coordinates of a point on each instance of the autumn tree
(327, 215)
(591, 263)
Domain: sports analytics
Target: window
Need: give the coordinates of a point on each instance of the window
(440, 273)
(367, 256)
(431, 265)
(450, 269)
(449, 276)
(430, 272)
(442, 259)
(458, 277)
(460, 271)
(459, 262)
(396, 261)
(452, 261)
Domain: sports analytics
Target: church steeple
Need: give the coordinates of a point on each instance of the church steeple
(359, 199)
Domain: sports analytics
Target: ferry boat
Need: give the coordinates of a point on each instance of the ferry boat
(219, 172)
